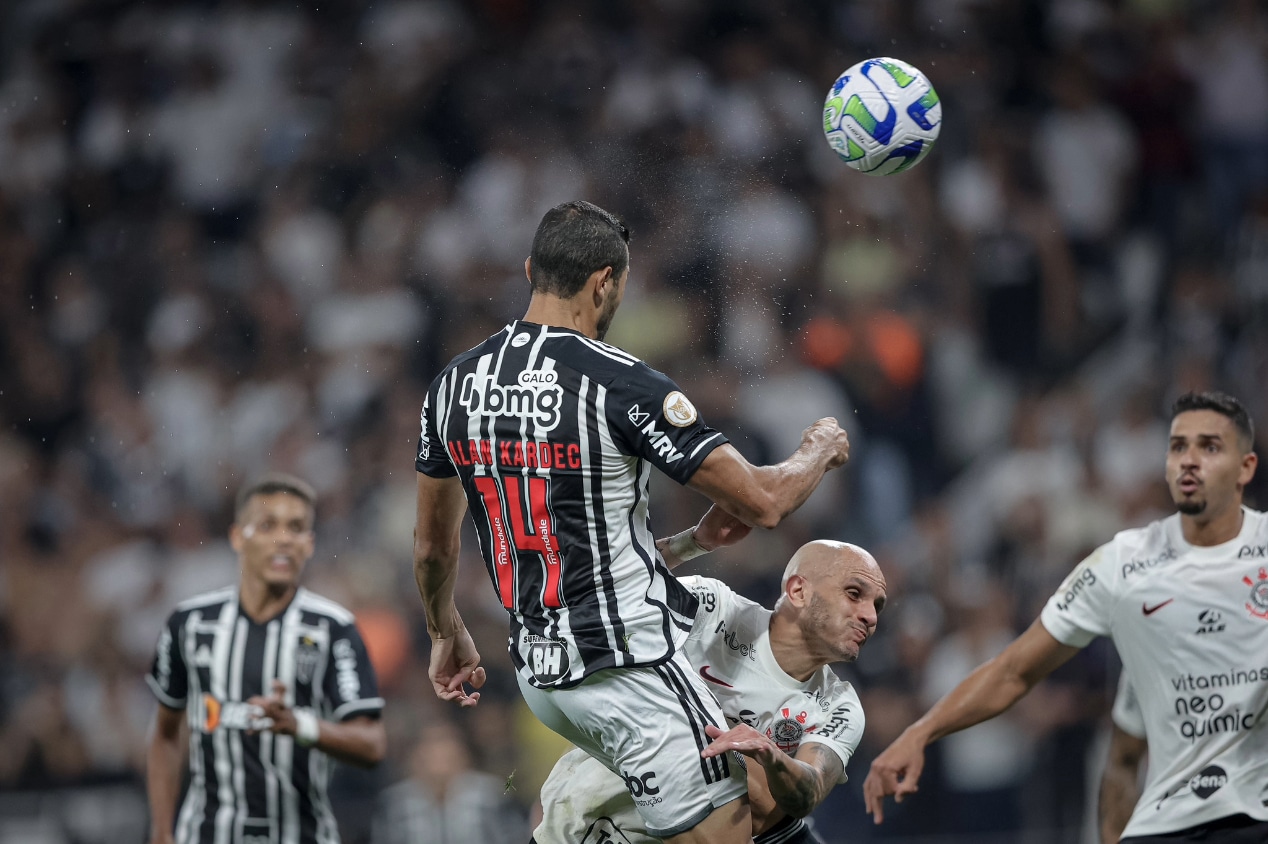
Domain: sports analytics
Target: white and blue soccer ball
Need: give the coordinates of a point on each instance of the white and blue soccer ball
(882, 116)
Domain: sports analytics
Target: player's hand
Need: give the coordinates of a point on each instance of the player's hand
(827, 437)
(719, 529)
(455, 662)
(273, 713)
(896, 772)
(743, 739)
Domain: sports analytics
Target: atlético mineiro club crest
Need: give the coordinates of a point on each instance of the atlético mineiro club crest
(1257, 603)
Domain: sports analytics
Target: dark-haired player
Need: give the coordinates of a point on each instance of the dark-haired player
(548, 436)
(1185, 600)
(271, 682)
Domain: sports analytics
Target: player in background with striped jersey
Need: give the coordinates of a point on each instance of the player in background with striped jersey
(1185, 600)
(270, 681)
(547, 436)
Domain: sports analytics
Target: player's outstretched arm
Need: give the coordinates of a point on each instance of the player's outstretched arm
(716, 529)
(991, 689)
(798, 783)
(1120, 784)
(763, 495)
(437, 542)
(164, 765)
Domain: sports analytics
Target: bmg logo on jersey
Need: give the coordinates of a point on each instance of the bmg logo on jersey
(537, 397)
(1075, 587)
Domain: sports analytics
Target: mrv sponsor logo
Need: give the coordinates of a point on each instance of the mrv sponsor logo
(1076, 587)
(657, 438)
(538, 397)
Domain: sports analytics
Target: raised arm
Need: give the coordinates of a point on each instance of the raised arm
(763, 495)
(437, 542)
(798, 784)
(1120, 784)
(991, 689)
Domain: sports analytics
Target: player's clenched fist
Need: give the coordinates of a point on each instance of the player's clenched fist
(828, 437)
(896, 772)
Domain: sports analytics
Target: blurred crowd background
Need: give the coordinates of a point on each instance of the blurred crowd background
(245, 234)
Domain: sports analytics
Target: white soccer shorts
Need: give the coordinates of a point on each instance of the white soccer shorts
(647, 726)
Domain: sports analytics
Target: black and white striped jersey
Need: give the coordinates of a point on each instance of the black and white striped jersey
(554, 436)
(259, 788)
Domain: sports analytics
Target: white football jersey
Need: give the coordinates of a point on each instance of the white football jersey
(729, 645)
(1191, 626)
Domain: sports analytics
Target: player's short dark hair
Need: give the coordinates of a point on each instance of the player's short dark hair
(573, 241)
(1223, 404)
(273, 483)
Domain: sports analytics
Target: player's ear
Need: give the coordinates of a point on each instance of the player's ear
(235, 537)
(797, 590)
(602, 280)
(528, 269)
(1249, 461)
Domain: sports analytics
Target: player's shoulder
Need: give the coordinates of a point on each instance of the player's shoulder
(597, 360)
(206, 601)
(1140, 549)
(310, 603)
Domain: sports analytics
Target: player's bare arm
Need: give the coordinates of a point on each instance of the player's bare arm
(798, 783)
(763, 496)
(716, 529)
(1120, 784)
(360, 741)
(437, 542)
(990, 690)
(164, 766)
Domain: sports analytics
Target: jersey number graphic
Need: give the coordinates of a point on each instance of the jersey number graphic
(535, 536)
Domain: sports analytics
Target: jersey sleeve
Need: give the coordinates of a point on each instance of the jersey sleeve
(168, 677)
(432, 456)
(652, 419)
(843, 729)
(1126, 712)
(350, 686)
(711, 596)
(1081, 609)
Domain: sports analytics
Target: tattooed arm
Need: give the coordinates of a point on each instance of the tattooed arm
(798, 783)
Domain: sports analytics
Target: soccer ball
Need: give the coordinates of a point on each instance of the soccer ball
(882, 116)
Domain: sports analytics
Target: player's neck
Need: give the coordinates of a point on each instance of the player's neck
(545, 309)
(791, 650)
(1215, 530)
(262, 601)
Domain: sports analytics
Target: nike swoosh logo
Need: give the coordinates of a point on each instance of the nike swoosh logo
(1148, 610)
(704, 672)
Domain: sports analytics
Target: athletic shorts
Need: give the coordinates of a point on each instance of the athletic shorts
(1237, 829)
(646, 725)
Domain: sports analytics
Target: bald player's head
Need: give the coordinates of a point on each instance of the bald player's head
(833, 593)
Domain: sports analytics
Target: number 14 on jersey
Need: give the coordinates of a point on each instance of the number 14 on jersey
(534, 533)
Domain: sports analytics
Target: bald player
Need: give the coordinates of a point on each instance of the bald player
(789, 713)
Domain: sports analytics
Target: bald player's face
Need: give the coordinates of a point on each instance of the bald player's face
(844, 606)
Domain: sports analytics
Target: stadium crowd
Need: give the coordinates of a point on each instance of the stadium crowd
(242, 234)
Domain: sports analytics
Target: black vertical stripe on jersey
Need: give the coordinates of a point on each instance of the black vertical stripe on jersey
(695, 720)
(253, 764)
(601, 522)
(721, 766)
